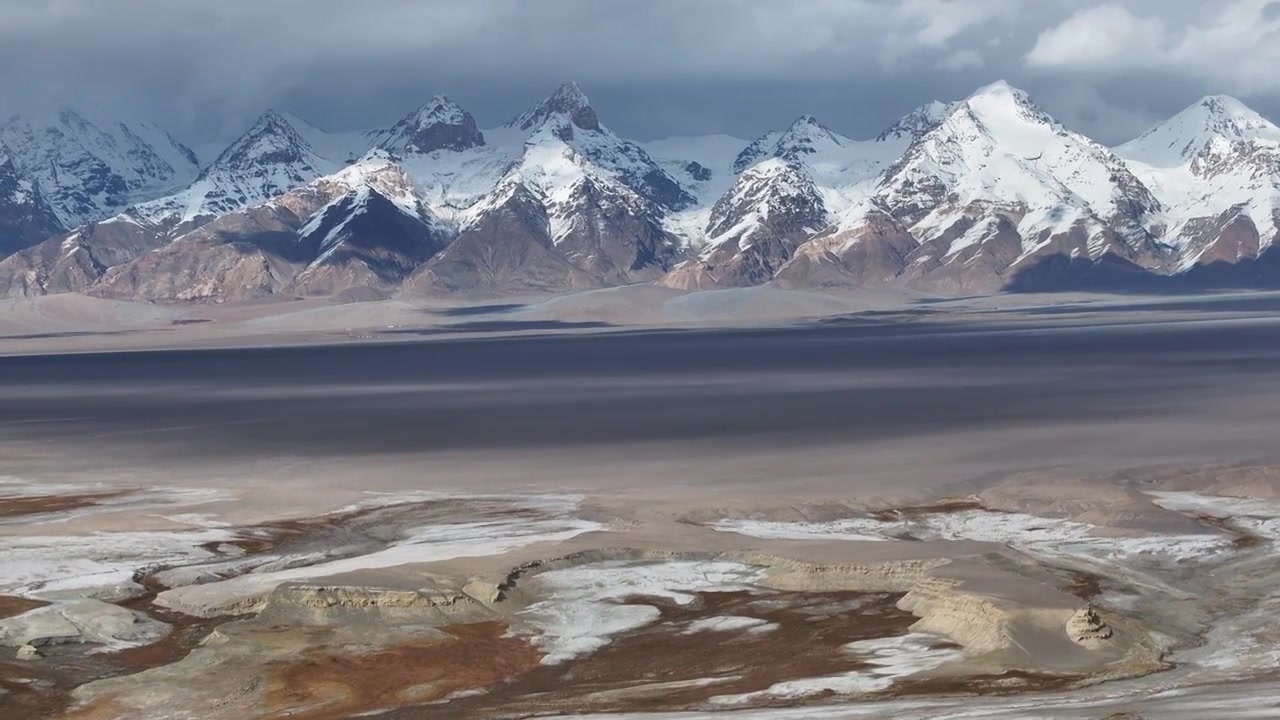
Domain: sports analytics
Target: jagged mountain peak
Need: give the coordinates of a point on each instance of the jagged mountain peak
(1228, 116)
(272, 139)
(805, 128)
(917, 122)
(805, 136)
(271, 116)
(568, 102)
(805, 122)
(440, 109)
(440, 124)
(279, 152)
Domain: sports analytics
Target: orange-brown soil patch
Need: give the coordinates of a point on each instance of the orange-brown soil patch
(915, 512)
(11, 606)
(39, 504)
(329, 686)
(807, 641)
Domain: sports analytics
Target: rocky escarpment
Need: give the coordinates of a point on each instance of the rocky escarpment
(1032, 630)
(319, 604)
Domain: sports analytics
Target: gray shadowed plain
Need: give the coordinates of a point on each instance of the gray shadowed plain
(842, 393)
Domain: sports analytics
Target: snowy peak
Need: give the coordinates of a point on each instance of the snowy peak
(1000, 105)
(438, 125)
(1227, 116)
(566, 140)
(917, 122)
(996, 119)
(804, 137)
(1214, 166)
(568, 102)
(997, 148)
(272, 140)
(1214, 119)
(277, 154)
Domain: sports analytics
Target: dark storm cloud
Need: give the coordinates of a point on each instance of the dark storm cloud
(656, 67)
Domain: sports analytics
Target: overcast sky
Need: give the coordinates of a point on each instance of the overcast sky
(206, 68)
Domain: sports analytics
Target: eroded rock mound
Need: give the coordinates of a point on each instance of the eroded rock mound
(1086, 627)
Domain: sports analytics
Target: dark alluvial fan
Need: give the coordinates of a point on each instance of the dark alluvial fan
(985, 194)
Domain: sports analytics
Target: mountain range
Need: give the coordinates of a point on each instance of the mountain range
(985, 194)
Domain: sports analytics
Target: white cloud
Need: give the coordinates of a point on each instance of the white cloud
(1100, 37)
(1230, 45)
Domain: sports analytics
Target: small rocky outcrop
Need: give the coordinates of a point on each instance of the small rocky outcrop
(29, 652)
(1086, 627)
(79, 621)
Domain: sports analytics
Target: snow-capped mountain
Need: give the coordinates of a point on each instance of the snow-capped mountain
(602, 200)
(568, 117)
(1216, 168)
(88, 169)
(979, 195)
(999, 182)
(548, 198)
(278, 153)
(505, 247)
(360, 227)
(791, 184)
(373, 235)
(771, 209)
(805, 137)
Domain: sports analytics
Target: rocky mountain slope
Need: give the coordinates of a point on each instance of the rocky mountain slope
(26, 217)
(985, 194)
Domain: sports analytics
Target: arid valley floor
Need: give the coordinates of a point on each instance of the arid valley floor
(642, 504)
